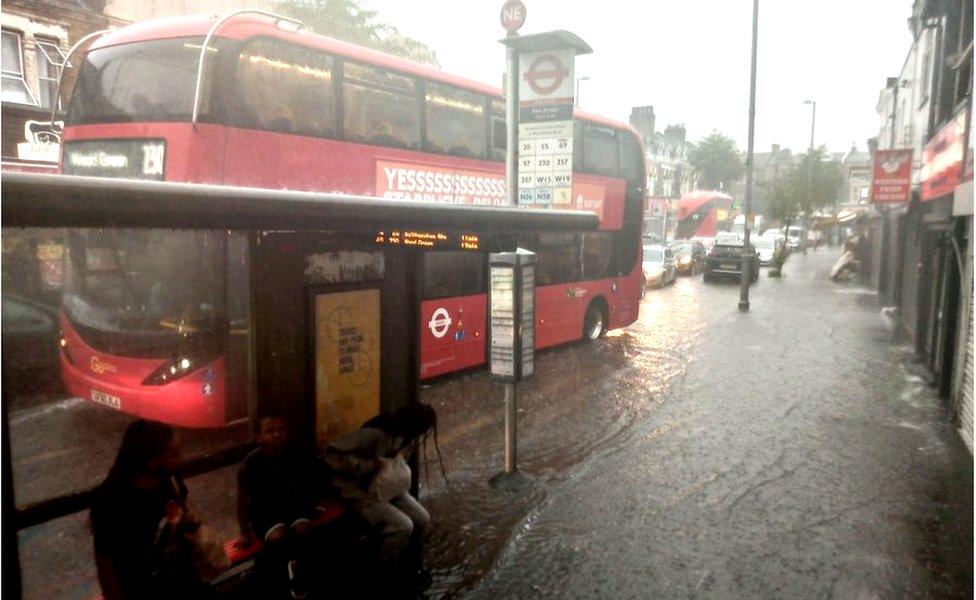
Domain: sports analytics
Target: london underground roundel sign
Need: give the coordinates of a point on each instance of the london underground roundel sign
(439, 322)
(513, 15)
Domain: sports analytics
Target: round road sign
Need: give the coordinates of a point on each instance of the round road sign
(513, 15)
(546, 74)
(439, 322)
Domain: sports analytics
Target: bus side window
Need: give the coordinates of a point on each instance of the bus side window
(558, 258)
(452, 273)
(597, 248)
(499, 134)
(630, 159)
(599, 150)
(455, 121)
(380, 107)
(577, 146)
(288, 88)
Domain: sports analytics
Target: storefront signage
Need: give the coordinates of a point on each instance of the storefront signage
(942, 159)
(545, 132)
(411, 181)
(42, 141)
(891, 181)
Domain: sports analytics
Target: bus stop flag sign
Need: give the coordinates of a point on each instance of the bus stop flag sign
(513, 16)
(545, 132)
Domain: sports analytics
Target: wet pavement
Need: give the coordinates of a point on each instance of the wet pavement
(787, 452)
(700, 452)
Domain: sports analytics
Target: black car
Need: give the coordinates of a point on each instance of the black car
(689, 257)
(30, 345)
(725, 260)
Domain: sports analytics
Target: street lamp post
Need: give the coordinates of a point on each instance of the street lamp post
(578, 80)
(813, 124)
(813, 119)
(746, 247)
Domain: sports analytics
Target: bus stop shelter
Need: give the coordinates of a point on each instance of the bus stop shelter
(288, 233)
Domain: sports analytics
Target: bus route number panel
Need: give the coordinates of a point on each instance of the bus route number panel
(439, 240)
(545, 164)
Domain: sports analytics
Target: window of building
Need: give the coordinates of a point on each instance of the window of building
(455, 121)
(455, 273)
(14, 87)
(599, 150)
(380, 107)
(289, 88)
(50, 59)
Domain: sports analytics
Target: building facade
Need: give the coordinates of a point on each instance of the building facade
(925, 258)
(669, 171)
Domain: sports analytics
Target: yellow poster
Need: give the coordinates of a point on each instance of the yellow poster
(347, 362)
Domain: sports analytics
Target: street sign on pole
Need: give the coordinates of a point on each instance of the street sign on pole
(513, 16)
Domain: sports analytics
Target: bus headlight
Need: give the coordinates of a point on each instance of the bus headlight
(170, 371)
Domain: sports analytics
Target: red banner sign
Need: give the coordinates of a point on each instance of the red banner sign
(942, 159)
(891, 180)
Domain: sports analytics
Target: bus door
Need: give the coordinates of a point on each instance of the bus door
(559, 292)
(453, 311)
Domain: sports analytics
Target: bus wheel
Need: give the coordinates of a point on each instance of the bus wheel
(595, 324)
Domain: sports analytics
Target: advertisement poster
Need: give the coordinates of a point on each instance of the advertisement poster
(347, 362)
(891, 180)
(412, 181)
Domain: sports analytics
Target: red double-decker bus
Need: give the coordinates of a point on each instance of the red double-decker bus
(250, 101)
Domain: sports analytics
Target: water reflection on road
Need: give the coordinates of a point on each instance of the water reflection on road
(583, 398)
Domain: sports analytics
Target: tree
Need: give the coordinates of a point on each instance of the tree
(348, 21)
(811, 184)
(717, 161)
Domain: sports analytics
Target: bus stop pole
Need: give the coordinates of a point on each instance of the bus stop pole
(746, 247)
(511, 189)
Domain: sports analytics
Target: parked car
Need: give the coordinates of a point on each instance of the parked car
(706, 242)
(30, 345)
(796, 237)
(765, 250)
(689, 256)
(659, 266)
(725, 260)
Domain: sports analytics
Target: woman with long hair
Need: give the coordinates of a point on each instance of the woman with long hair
(370, 469)
(141, 494)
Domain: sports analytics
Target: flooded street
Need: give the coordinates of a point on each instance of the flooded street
(788, 452)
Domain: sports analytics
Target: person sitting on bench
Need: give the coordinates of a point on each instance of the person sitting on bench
(276, 501)
(370, 471)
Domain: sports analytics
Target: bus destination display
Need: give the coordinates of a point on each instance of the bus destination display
(428, 239)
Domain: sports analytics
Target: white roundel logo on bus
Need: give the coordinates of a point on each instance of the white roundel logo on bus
(439, 322)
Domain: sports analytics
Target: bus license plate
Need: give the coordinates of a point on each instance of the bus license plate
(106, 399)
(729, 265)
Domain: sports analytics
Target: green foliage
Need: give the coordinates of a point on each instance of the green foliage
(348, 21)
(717, 161)
(812, 184)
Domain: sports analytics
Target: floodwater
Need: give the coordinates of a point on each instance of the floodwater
(787, 452)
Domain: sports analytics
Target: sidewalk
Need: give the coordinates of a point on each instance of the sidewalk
(789, 452)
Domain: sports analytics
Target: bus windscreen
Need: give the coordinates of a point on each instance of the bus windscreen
(143, 81)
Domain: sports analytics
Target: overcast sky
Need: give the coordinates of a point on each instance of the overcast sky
(690, 58)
